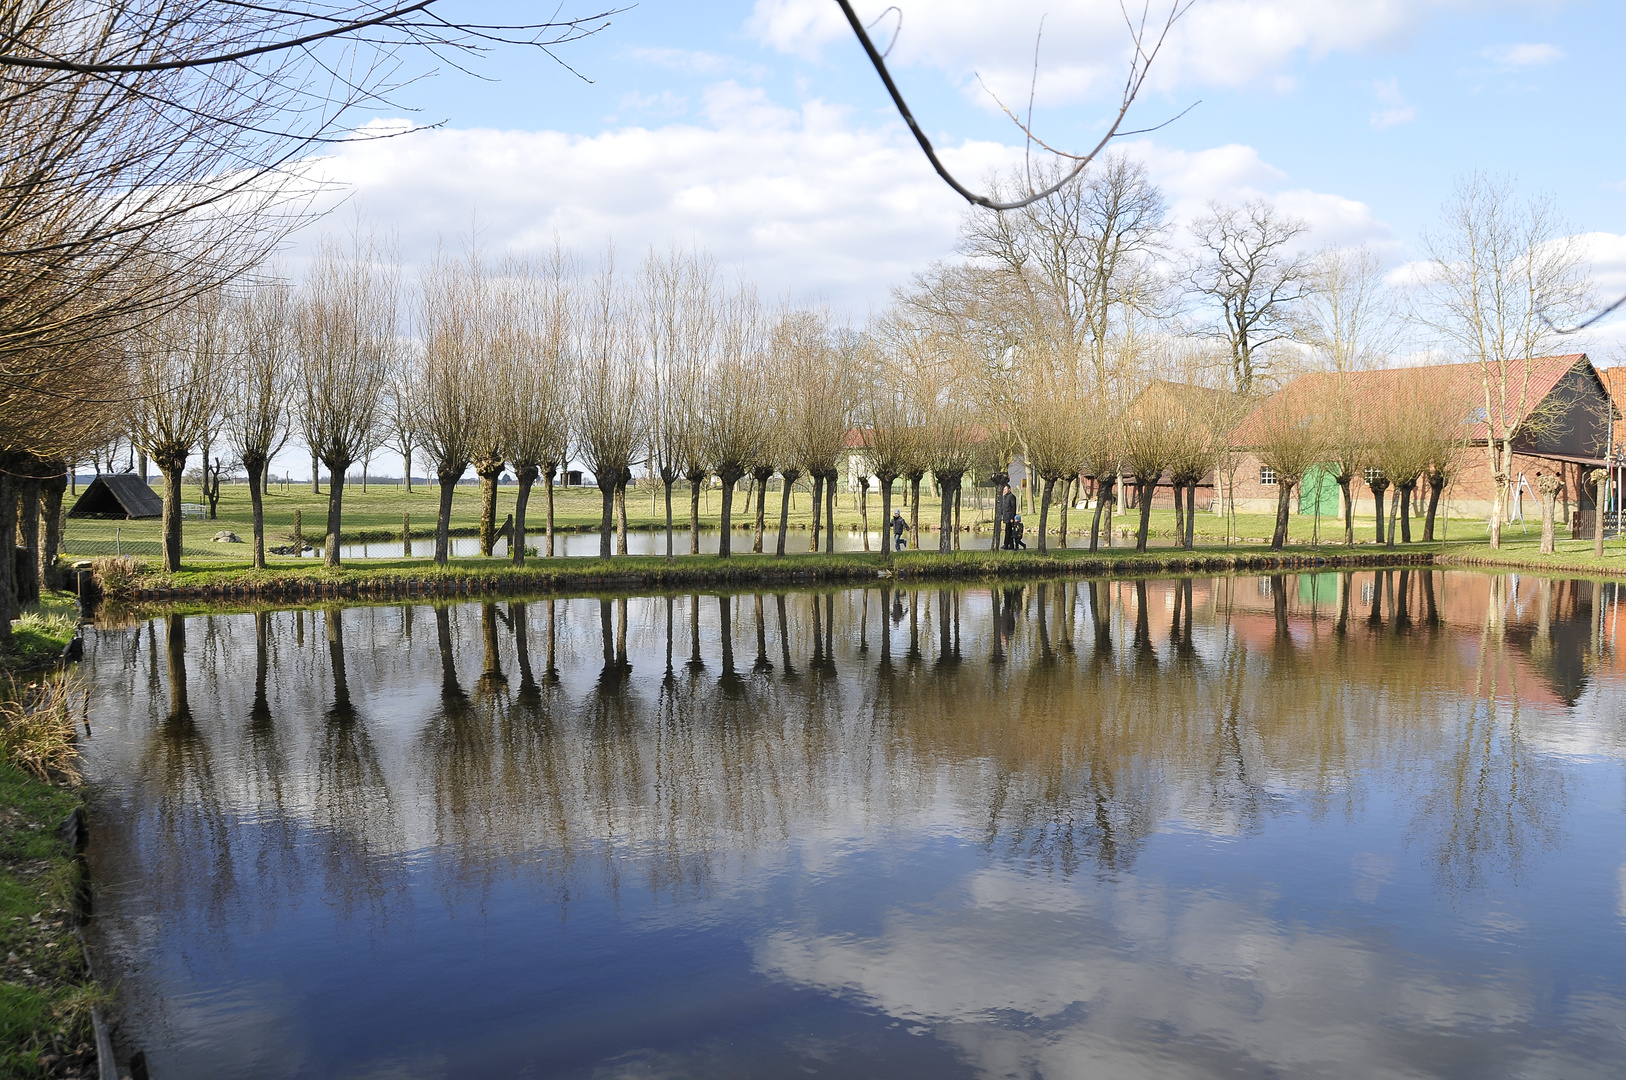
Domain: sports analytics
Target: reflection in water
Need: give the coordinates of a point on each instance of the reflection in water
(1335, 824)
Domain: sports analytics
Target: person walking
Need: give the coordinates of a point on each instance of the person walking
(899, 527)
(1007, 499)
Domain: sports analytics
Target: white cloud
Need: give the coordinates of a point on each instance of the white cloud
(691, 62)
(1523, 56)
(1085, 45)
(1398, 110)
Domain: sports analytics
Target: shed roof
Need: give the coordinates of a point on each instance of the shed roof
(116, 495)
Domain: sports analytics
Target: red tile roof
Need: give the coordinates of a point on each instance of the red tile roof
(1459, 381)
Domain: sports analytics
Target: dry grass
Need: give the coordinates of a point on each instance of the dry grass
(116, 575)
(37, 732)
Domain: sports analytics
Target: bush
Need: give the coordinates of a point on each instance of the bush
(116, 576)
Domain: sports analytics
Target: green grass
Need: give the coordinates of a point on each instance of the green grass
(45, 990)
(39, 634)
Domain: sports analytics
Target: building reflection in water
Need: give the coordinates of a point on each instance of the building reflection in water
(683, 747)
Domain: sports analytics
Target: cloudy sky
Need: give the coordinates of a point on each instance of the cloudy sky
(758, 131)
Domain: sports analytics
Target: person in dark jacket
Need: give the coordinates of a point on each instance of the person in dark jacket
(1007, 501)
(899, 527)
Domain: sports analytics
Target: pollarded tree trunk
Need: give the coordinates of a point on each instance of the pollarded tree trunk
(785, 481)
(526, 475)
(254, 465)
(830, 512)
(818, 508)
(1436, 487)
(547, 478)
(51, 492)
(959, 485)
(885, 480)
(1179, 508)
(316, 474)
(1379, 486)
(730, 476)
(406, 459)
(1143, 500)
(488, 471)
(335, 509)
(28, 521)
(1344, 482)
(762, 475)
(945, 514)
(8, 555)
(914, 512)
(1284, 500)
(1547, 486)
(170, 465)
(1103, 497)
(1405, 492)
(695, 480)
(447, 478)
(621, 512)
(606, 525)
(1191, 531)
(1044, 509)
(668, 478)
(863, 508)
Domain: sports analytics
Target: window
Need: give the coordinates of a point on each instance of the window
(1368, 591)
(1265, 587)
(1267, 476)
(1373, 474)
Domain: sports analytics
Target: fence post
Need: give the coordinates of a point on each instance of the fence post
(118, 545)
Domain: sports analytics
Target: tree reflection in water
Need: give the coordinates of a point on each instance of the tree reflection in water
(265, 766)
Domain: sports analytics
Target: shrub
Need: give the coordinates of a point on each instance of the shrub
(36, 728)
(116, 575)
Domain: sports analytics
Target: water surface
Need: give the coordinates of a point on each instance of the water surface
(1333, 825)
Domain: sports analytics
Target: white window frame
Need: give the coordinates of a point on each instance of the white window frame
(1267, 476)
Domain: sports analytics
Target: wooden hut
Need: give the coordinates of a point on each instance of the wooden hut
(118, 495)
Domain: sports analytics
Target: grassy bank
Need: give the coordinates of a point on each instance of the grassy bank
(46, 992)
(377, 515)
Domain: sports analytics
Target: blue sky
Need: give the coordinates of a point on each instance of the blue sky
(1378, 104)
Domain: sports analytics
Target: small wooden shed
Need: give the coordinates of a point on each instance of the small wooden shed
(118, 495)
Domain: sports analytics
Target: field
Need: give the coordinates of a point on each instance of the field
(380, 512)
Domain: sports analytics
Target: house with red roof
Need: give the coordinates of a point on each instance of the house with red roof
(1560, 412)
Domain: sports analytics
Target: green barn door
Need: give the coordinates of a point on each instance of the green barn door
(1319, 493)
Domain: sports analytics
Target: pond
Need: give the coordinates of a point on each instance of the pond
(1334, 825)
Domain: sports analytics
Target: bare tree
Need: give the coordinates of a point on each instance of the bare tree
(260, 390)
(1504, 273)
(533, 366)
(347, 337)
(1347, 315)
(180, 366)
(611, 421)
(400, 417)
(1290, 441)
(734, 416)
(1246, 270)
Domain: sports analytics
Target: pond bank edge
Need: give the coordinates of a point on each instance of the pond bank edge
(368, 584)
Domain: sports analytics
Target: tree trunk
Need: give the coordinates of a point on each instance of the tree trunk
(667, 480)
(1436, 486)
(786, 479)
(547, 478)
(488, 472)
(725, 545)
(51, 527)
(1405, 510)
(694, 513)
(1394, 510)
(1103, 495)
(316, 475)
(1066, 501)
(829, 513)
(407, 461)
(621, 515)
(818, 508)
(606, 525)
(1598, 514)
(945, 513)
(1344, 483)
(959, 484)
(762, 479)
(1143, 501)
(1284, 499)
(1044, 509)
(447, 479)
(1191, 531)
(516, 543)
(28, 521)
(171, 470)
(255, 467)
(1379, 486)
(335, 510)
(8, 556)
(1179, 509)
(1549, 511)
(887, 544)
(914, 513)
(863, 508)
